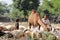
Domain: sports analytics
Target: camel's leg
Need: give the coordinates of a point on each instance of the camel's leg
(39, 26)
(42, 24)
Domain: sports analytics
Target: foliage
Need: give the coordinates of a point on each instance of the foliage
(47, 36)
(22, 8)
(3, 8)
(52, 6)
(25, 5)
(15, 14)
(51, 37)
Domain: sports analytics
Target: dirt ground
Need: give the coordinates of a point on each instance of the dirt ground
(13, 23)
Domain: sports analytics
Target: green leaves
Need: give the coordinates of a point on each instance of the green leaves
(3, 8)
(22, 7)
(16, 14)
(53, 6)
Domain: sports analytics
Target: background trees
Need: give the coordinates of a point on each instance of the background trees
(51, 8)
(22, 8)
(25, 5)
(3, 8)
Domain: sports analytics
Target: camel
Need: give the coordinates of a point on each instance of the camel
(35, 20)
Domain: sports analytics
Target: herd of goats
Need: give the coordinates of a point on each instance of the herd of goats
(34, 22)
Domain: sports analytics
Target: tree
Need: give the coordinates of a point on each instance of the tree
(15, 14)
(3, 8)
(51, 8)
(25, 5)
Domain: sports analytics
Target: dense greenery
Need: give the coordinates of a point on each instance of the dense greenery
(3, 8)
(25, 6)
(52, 8)
(22, 8)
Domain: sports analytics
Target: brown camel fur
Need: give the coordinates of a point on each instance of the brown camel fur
(35, 20)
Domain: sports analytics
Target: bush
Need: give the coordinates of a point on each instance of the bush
(48, 36)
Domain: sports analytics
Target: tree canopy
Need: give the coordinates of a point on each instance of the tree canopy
(3, 8)
(22, 8)
(25, 5)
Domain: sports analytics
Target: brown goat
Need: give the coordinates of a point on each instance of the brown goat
(35, 20)
(2, 28)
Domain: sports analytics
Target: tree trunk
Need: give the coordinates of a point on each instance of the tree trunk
(25, 14)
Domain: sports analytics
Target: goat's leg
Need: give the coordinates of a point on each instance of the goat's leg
(29, 25)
